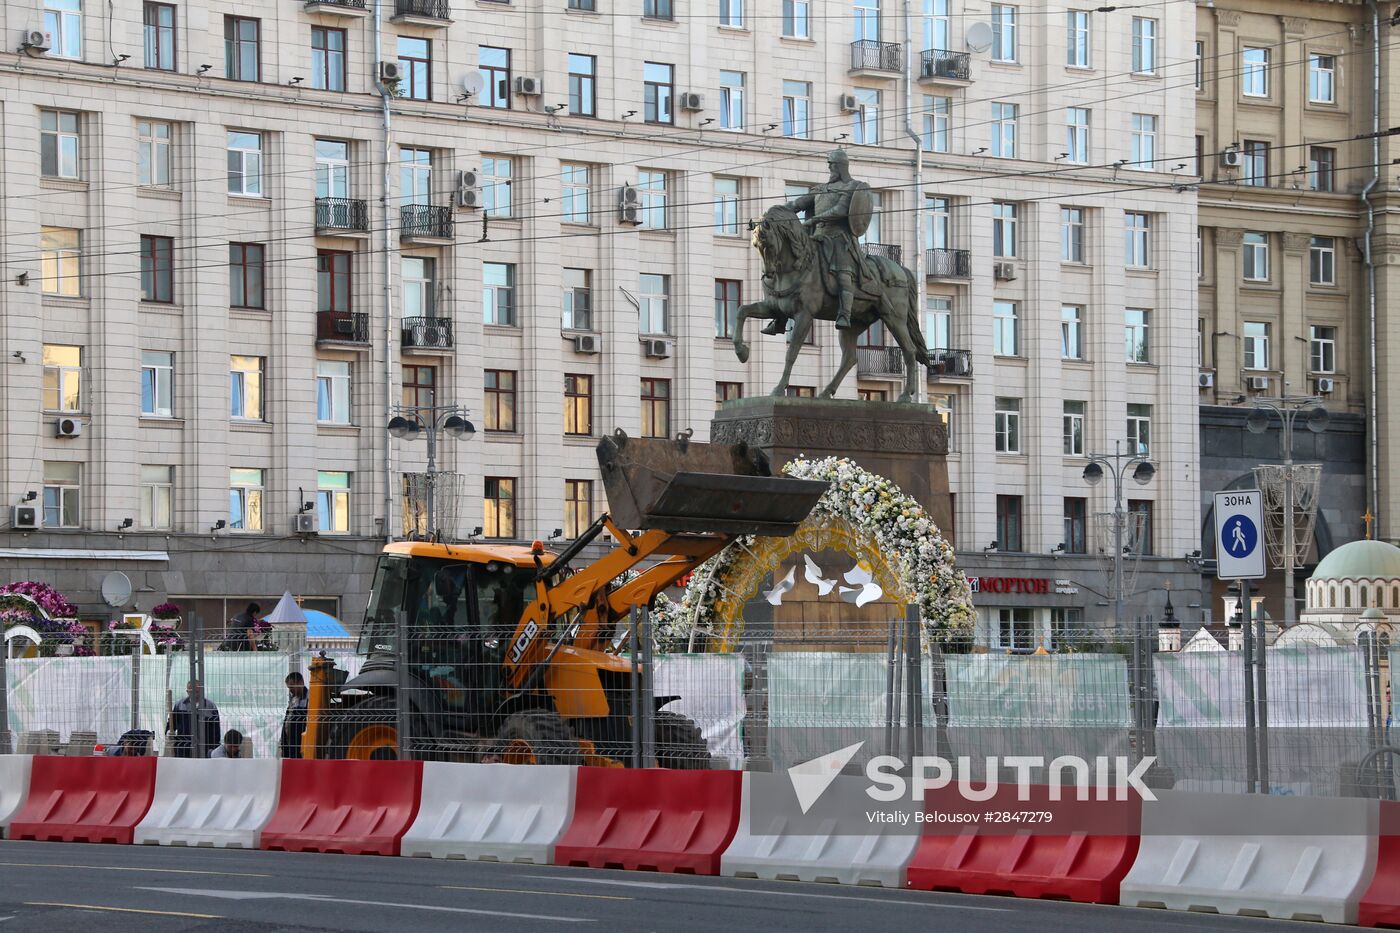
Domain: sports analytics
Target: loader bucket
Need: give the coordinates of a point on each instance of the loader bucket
(686, 486)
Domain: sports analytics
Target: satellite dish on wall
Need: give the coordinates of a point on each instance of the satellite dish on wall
(116, 589)
(473, 83)
(979, 37)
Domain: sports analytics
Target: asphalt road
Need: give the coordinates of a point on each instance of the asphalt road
(57, 888)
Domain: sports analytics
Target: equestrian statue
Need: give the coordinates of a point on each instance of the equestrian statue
(816, 270)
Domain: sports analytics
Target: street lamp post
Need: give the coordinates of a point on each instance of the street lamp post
(409, 421)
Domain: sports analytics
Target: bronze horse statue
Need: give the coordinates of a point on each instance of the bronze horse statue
(797, 288)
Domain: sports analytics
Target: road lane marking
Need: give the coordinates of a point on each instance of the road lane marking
(331, 899)
(600, 897)
(672, 885)
(164, 871)
(124, 910)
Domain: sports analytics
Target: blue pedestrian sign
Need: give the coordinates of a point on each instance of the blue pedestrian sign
(1239, 552)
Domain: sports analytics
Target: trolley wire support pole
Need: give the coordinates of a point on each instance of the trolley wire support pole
(1251, 750)
(197, 674)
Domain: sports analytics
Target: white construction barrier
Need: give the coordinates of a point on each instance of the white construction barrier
(834, 842)
(1290, 858)
(491, 813)
(217, 802)
(14, 787)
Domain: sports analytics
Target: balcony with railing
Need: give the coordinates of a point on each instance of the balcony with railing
(948, 264)
(427, 224)
(342, 328)
(888, 250)
(427, 333)
(351, 8)
(423, 12)
(949, 364)
(939, 65)
(876, 59)
(879, 362)
(342, 217)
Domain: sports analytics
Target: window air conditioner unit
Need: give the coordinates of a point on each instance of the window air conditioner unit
(1257, 383)
(528, 87)
(37, 41)
(1326, 385)
(24, 517)
(468, 179)
(1205, 380)
(1004, 271)
(67, 427)
(848, 103)
(468, 197)
(628, 195)
(657, 349)
(588, 343)
(305, 523)
(692, 101)
(390, 72)
(629, 205)
(1230, 158)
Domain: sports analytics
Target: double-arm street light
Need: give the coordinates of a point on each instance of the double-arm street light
(409, 421)
(1117, 465)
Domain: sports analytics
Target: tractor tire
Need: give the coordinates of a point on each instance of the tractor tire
(679, 743)
(537, 736)
(367, 731)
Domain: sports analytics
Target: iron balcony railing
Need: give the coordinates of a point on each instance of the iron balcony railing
(347, 214)
(948, 263)
(955, 363)
(431, 9)
(428, 333)
(425, 220)
(872, 55)
(879, 361)
(941, 63)
(888, 250)
(342, 326)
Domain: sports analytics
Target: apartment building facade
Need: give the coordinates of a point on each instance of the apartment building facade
(229, 258)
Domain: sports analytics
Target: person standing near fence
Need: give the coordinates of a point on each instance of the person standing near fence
(194, 711)
(242, 635)
(294, 723)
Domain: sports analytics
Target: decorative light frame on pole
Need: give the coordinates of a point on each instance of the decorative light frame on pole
(408, 421)
(1117, 465)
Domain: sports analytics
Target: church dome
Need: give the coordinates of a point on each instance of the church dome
(1360, 560)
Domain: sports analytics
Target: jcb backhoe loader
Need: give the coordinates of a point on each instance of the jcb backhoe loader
(511, 652)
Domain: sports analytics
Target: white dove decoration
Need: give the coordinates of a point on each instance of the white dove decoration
(775, 595)
(813, 574)
(866, 589)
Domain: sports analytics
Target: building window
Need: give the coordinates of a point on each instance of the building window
(1199, 60)
(1144, 45)
(1071, 332)
(157, 497)
(417, 279)
(1077, 39)
(63, 19)
(1072, 234)
(498, 293)
(797, 16)
(332, 502)
(245, 275)
(415, 175)
(656, 407)
(1322, 261)
(327, 58)
(245, 168)
(797, 109)
(1005, 328)
(576, 186)
(1256, 163)
(59, 261)
(1322, 78)
(651, 189)
(157, 383)
(1076, 525)
(63, 377)
(1256, 345)
(1322, 349)
(1009, 525)
(332, 170)
(62, 494)
(1008, 425)
(938, 223)
(1003, 33)
(1137, 240)
(727, 391)
(731, 100)
(727, 206)
(873, 395)
(578, 506)
(1073, 424)
(159, 22)
(1199, 159)
(1322, 161)
(866, 126)
(419, 386)
(499, 511)
(866, 20)
(659, 87)
(938, 113)
(1254, 72)
(241, 51)
(1004, 130)
(245, 499)
(1136, 335)
(58, 143)
(1255, 247)
(731, 13)
(245, 385)
(938, 322)
(497, 173)
(494, 65)
(578, 404)
(578, 299)
(1016, 628)
(728, 296)
(1004, 220)
(1143, 507)
(500, 400)
(334, 275)
(657, 9)
(1139, 429)
(157, 269)
(583, 89)
(333, 391)
(937, 25)
(416, 66)
(655, 301)
(153, 153)
(1144, 142)
(1077, 135)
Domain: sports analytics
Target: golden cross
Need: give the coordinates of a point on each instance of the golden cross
(1368, 518)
